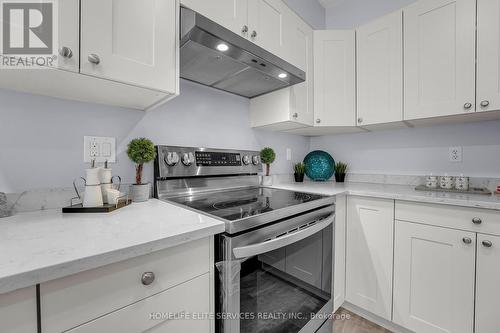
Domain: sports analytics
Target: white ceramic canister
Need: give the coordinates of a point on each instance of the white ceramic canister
(105, 179)
(92, 196)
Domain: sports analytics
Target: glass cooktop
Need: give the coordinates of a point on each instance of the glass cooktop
(238, 204)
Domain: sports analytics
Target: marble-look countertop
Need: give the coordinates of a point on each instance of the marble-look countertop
(397, 192)
(41, 246)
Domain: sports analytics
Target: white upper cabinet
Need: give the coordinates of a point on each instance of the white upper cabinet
(68, 34)
(434, 278)
(369, 254)
(488, 55)
(134, 42)
(334, 78)
(487, 287)
(266, 24)
(231, 14)
(439, 51)
(380, 70)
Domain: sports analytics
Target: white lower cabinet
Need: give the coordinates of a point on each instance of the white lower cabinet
(170, 311)
(18, 311)
(121, 296)
(339, 254)
(487, 284)
(434, 278)
(369, 254)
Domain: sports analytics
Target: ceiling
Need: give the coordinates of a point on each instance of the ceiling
(330, 3)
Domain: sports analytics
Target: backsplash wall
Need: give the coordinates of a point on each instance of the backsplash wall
(419, 151)
(41, 138)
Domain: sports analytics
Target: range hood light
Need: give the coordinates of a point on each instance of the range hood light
(222, 47)
(282, 75)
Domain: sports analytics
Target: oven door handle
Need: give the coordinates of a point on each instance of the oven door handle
(282, 241)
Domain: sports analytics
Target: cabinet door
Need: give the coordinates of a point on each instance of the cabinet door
(339, 254)
(434, 278)
(439, 51)
(334, 78)
(304, 260)
(231, 14)
(487, 286)
(380, 70)
(265, 20)
(136, 42)
(69, 35)
(369, 254)
(488, 55)
(18, 311)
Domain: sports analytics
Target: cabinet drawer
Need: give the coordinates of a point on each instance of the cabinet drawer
(178, 309)
(486, 221)
(74, 300)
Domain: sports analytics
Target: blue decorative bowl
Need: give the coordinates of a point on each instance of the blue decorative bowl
(320, 166)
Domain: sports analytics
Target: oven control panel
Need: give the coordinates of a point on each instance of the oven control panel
(174, 162)
(210, 158)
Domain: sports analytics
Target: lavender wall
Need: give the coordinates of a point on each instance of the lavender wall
(41, 138)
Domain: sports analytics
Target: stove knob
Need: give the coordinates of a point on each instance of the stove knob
(246, 160)
(187, 159)
(172, 158)
(255, 160)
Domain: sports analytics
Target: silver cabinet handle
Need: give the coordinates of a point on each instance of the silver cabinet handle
(487, 243)
(147, 278)
(467, 106)
(254, 34)
(467, 240)
(477, 220)
(65, 52)
(485, 103)
(360, 120)
(244, 29)
(318, 121)
(295, 115)
(94, 59)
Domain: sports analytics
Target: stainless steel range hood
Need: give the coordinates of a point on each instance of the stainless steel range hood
(217, 57)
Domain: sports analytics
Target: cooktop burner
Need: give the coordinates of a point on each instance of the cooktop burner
(242, 203)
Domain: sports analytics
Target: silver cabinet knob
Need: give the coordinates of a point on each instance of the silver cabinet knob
(246, 160)
(318, 121)
(360, 120)
(467, 106)
(244, 29)
(295, 115)
(487, 243)
(485, 103)
(467, 240)
(94, 59)
(254, 34)
(477, 220)
(65, 52)
(147, 278)
(255, 160)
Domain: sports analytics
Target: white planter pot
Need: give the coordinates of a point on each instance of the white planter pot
(140, 193)
(267, 180)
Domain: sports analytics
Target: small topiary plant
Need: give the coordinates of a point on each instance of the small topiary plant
(140, 151)
(267, 156)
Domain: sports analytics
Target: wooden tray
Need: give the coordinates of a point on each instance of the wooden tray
(78, 208)
(471, 190)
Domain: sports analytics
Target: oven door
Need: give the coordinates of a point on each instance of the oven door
(278, 278)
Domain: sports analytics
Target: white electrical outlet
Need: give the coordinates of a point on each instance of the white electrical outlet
(455, 154)
(100, 149)
(288, 154)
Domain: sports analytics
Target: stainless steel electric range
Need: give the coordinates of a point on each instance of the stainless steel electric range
(275, 259)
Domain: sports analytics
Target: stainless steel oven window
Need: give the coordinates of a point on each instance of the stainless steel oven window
(278, 282)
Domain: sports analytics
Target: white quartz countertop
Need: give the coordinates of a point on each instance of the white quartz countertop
(42, 246)
(397, 192)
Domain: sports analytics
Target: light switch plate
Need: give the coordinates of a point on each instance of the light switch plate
(101, 149)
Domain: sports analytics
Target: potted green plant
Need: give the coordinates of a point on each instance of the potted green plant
(140, 151)
(267, 156)
(299, 171)
(340, 171)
